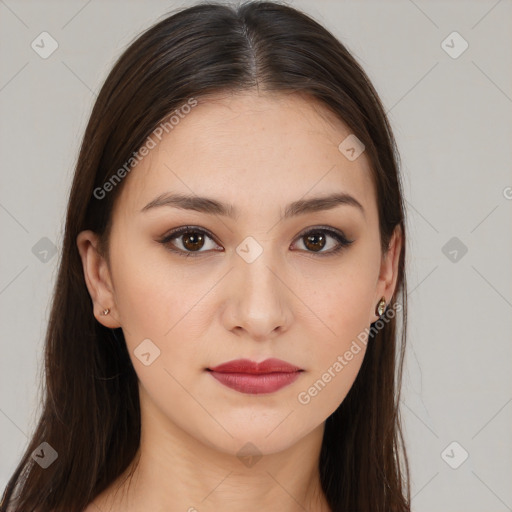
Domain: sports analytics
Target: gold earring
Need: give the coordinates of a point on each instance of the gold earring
(105, 311)
(381, 306)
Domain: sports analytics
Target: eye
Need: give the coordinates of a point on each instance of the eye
(193, 239)
(315, 240)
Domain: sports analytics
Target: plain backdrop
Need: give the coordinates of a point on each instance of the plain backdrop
(450, 108)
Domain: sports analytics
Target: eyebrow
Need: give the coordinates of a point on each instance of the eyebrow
(214, 207)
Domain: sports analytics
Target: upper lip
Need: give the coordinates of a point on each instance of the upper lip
(247, 366)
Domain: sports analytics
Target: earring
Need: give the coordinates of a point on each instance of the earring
(105, 311)
(381, 306)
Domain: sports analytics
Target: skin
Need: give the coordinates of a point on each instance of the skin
(259, 152)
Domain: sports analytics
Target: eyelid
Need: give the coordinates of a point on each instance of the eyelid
(186, 229)
(328, 229)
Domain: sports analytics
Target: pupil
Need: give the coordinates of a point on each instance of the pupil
(313, 239)
(193, 241)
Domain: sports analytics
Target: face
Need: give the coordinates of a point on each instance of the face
(254, 280)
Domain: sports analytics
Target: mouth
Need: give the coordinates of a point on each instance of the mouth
(254, 378)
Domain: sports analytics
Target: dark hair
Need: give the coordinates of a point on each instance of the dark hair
(91, 413)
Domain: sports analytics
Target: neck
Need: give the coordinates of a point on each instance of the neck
(174, 471)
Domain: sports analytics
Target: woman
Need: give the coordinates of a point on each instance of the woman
(224, 326)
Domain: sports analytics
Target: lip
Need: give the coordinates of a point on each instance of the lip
(250, 377)
(247, 366)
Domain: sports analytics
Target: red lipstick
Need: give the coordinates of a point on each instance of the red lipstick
(250, 377)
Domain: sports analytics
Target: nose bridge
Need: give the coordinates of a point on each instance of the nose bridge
(256, 266)
(260, 296)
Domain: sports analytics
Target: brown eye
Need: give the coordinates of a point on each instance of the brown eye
(188, 241)
(192, 241)
(315, 241)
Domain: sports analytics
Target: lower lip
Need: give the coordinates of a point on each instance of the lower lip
(255, 384)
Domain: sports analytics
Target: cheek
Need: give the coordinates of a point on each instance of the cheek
(148, 293)
(157, 301)
(338, 355)
(344, 303)
(343, 308)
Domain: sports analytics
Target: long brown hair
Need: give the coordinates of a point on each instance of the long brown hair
(91, 413)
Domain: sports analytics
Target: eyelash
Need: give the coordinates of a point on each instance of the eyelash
(176, 233)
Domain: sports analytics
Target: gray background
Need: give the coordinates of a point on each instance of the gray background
(452, 119)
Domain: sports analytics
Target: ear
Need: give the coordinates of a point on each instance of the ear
(388, 274)
(97, 278)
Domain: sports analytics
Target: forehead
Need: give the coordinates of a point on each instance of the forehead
(250, 150)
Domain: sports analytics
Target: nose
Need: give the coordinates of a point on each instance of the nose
(257, 302)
